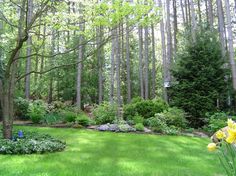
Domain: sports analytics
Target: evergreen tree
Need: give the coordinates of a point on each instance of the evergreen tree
(200, 77)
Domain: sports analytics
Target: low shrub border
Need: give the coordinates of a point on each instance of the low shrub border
(29, 143)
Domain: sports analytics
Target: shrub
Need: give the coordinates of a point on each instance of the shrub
(21, 108)
(83, 120)
(139, 127)
(216, 121)
(37, 111)
(31, 143)
(138, 119)
(175, 117)
(69, 116)
(158, 124)
(105, 113)
(144, 108)
(52, 118)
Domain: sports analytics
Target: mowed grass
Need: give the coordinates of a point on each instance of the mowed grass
(92, 153)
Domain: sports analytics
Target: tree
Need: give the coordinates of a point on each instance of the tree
(29, 43)
(230, 43)
(140, 36)
(199, 77)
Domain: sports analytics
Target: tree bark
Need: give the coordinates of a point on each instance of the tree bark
(221, 27)
(230, 43)
(112, 71)
(140, 33)
(29, 43)
(100, 65)
(175, 27)
(193, 16)
(80, 58)
(182, 10)
(146, 63)
(153, 63)
(128, 64)
(164, 62)
(210, 13)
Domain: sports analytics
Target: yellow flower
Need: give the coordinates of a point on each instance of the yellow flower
(232, 136)
(220, 134)
(230, 123)
(211, 147)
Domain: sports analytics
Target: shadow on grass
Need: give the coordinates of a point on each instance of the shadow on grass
(91, 153)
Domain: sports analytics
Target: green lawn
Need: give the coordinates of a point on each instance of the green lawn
(91, 153)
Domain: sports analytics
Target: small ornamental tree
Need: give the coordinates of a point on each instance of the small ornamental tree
(200, 77)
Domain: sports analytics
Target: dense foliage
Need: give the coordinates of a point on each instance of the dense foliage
(105, 113)
(200, 77)
(144, 108)
(30, 143)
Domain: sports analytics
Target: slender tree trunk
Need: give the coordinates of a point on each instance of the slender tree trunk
(112, 72)
(42, 57)
(118, 62)
(29, 43)
(230, 43)
(169, 40)
(199, 11)
(175, 27)
(182, 10)
(207, 14)
(153, 63)
(186, 11)
(146, 63)
(210, 13)
(193, 26)
(80, 59)
(164, 59)
(128, 64)
(100, 65)
(140, 33)
(221, 26)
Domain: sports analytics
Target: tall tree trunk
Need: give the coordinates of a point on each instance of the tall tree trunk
(221, 26)
(230, 43)
(112, 71)
(210, 13)
(29, 43)
(42, 57)
(193, 26)
(140, 33)
(164, 62)
(146, 63)
(80, 59)
(100, 65)
(175, 27)
(153, 63)
(207, 14)
(118, 61)
(186, 11)
(199, 11)
(169, 40)
(182, 10)
(128, 64)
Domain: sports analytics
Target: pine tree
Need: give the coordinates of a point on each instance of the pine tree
(199, 77)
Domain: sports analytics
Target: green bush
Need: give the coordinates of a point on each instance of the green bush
(144, 108)
(52, 118)
(158, 124)
(175, 117)
(216, 121)
(37, 110)
(31, 143)
(69, 116)
(138, 119)
(139, 127)
(21, 106)
(105, 113)
(83, 120)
